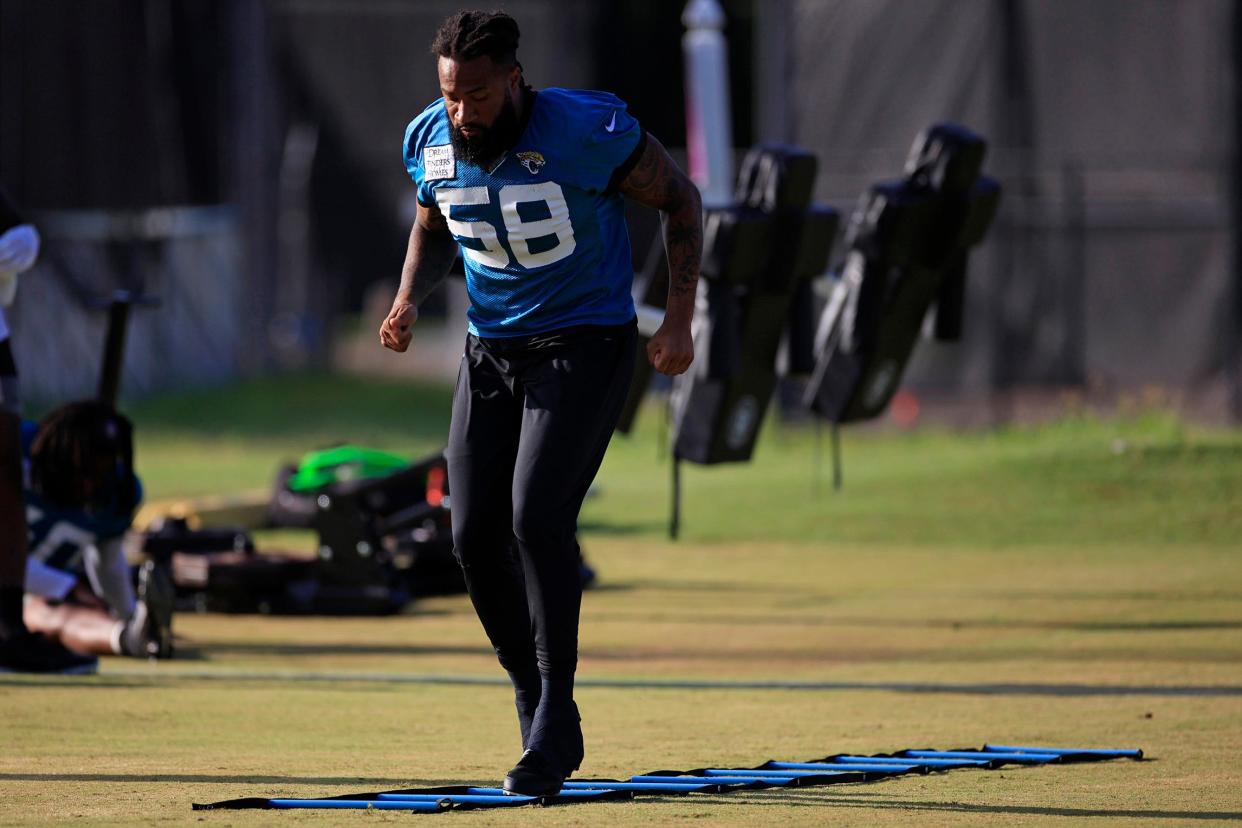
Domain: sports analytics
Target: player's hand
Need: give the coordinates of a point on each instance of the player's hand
(395, 333)
(671, 349)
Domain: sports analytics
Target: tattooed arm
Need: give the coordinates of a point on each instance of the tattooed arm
(657, 182)
(427, 260)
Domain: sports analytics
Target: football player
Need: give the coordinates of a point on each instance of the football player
(81, 496)
(528, 185)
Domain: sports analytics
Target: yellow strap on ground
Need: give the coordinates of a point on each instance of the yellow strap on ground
(246, 511)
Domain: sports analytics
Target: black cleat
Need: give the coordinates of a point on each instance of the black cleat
(149, 632)
(533, 775)
(561, 739)
(556, 752)
(27, 652)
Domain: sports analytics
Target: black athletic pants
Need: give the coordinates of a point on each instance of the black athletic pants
(532, 417)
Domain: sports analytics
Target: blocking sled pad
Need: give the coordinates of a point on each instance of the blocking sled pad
(831, 770)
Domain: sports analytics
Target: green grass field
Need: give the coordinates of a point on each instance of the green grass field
(1075, 584)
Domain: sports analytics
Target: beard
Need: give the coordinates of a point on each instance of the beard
(488, 143)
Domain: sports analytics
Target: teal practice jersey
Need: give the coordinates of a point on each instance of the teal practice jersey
(542, 234)
(57, 537)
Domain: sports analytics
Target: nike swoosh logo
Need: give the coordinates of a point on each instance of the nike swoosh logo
(613, 122)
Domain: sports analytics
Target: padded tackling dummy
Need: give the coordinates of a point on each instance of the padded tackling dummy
(758, 255)
(908, 244)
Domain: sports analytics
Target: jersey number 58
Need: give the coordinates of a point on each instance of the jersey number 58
(496, 253)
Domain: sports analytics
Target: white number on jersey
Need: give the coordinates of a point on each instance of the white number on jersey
(556, 224)
(60, 534)
(520, 232)
(492, 254)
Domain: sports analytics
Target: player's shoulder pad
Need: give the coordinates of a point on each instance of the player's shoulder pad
(589, 114)
(429, 127)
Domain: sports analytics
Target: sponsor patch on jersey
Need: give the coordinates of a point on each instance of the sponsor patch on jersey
(438, 162)
(532, 161)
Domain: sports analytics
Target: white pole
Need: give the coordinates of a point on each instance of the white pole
(709, 134)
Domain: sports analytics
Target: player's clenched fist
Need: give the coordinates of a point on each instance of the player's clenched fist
(395, 332)
(671, 349)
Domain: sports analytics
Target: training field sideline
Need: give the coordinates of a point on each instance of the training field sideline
(1076, 584)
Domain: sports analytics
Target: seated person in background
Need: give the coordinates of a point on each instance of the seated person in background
(81, 494)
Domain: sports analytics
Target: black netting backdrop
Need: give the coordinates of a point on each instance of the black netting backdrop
(1111, 125)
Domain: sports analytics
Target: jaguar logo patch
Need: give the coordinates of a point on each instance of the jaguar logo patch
(532, 161)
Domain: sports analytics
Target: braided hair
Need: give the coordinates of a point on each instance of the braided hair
(83, 457)
(471, 34)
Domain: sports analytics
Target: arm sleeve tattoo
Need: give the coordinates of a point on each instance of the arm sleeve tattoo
(655, 181)
(428, 258)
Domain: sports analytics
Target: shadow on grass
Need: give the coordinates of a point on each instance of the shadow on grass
(619, 529)
(813, 620)
(201, 651)
(214, 778)
(704, 585)
(1159, 596)
(820, 800)
(645, 685)
(611, 586)
(1196, 451)
(828, 649)
(93, 680)
(930, 688)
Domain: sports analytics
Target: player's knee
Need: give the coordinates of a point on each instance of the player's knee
(529, 524)
(537, 525)
(474, 541)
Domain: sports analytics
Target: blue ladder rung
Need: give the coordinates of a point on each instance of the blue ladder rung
(1033, 758)
(360, 804)
(769, 773)
(465, 799)
(668, 787)
(830, 768)
(500, 797)
(856, 765)
(1119, 754)
(715, 780)
(897, 760)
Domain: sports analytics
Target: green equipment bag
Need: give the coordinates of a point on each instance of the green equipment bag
(341, 464)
